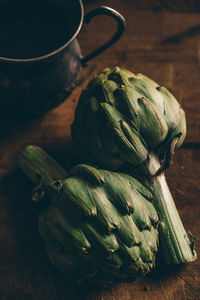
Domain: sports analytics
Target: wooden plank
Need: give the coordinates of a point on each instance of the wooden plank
(26, 272)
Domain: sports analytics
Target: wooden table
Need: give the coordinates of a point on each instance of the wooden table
(25, 272)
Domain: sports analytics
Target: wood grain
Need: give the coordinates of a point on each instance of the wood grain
(25, 272)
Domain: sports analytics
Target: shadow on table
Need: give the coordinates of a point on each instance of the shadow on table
(163, 271)
(15, 135)
(10, 126)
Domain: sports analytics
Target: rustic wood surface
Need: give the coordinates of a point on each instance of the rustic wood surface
(146, 47)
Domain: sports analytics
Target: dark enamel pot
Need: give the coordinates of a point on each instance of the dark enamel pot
(30, 86)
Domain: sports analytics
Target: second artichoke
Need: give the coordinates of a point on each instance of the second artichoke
(99, 224)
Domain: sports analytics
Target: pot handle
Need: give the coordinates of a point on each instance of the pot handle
(104, 10)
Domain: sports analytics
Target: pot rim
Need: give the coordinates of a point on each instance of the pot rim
(52, 53)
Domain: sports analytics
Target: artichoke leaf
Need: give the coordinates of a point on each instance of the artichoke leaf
(128, 152)
(152, 125)
(88, 173)
(118, 192)
(75, 190)
(151, 211)
(60, 226)
(143, 85)
(151, 239)
(120, 76)
(126, 103)
(108, 242)
(171, 107)
(108, 88)
(145, 251)
(107, 214)
(140, 215)
(128, 232)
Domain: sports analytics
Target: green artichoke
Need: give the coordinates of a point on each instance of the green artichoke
(99, 224)
(123, 119)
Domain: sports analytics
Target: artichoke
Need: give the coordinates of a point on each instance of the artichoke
(98, 224)
(128, 120)
(124, 118)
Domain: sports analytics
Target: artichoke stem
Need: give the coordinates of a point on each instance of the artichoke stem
(174, 240)
(40, 167)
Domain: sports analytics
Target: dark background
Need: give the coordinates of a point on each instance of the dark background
(162, 40)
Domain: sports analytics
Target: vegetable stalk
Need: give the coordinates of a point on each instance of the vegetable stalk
(176, 245)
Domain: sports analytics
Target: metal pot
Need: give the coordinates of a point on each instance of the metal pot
(33, 85)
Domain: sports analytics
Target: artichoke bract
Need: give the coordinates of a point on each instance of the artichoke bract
(98, 224)
(123, 119)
